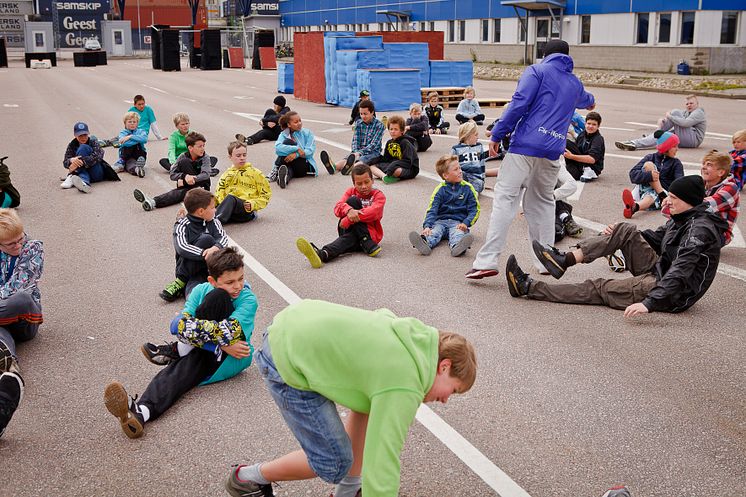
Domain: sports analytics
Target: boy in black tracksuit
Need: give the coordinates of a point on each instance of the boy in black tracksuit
(399, 160)
(270, 123)
(191, 170)
(418, 127)
(196, 236)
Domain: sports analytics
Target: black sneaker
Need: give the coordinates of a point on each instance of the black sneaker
(160, 355)
(572, 228)
(11, 394)
(173, 290)
(370, 247)
(518, 281)
(239, 488)
(165, 164)
(7, 361)
(327, 162)
(552, 259)
(117, 403)
(348, 164)
(282, 176)
(214, 172)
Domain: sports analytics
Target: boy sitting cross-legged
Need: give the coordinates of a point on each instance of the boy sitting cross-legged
(196, 236)
(132, 140)
(213, 330)
(454, 207)
(242, 190)
(359, 211)
(399, 160)
(192, 170)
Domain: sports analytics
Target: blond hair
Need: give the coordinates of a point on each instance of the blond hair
(415, 107)
(10, 224)
(432, 94)
(179, 117)
(740, 135)
(441, 166)
(234, 145)
(466, 129)
(131, 115)
(462, 355)
(720, 160)
(470, 89)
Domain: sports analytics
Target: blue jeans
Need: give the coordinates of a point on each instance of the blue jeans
(445, 228)
(476, 180)
(93, 174)
(312, 418)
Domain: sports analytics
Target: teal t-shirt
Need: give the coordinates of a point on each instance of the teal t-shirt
(147, 117)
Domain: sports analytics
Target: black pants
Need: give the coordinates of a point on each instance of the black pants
(177, 194)
(463, 119)
(423, 141)
(182, 375)
(576, 168)
(356, 238)
(297, 168)
(165, 164)
(193, 272)
(560, 207)
(407, 171)
(134, 152)
(267, 133)
(231, 210)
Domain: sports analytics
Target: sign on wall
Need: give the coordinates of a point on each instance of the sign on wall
(12, 20)
(266, 8)
(75, 21)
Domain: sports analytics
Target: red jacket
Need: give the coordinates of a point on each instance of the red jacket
(371, 213)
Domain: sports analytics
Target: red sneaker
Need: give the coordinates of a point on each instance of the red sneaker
(629, 203)
(478, 274)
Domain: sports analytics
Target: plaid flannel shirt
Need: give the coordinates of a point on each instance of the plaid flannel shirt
(738, 169)
(724, 199)
(367, 137)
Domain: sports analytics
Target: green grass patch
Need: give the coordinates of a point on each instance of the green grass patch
(717, 85)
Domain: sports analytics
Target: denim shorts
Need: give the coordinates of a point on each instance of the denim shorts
(649, 191)
(312, 418)
(369, 159)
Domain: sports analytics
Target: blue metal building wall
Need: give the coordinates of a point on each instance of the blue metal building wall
(316, 12)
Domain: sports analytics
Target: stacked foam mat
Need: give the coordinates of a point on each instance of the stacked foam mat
(451, 73)
(285, 75)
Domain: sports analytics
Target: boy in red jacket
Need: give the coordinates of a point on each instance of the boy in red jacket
(359, 211)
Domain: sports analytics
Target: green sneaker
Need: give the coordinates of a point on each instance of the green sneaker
(390, 179)
(173, 290)
(306, 248)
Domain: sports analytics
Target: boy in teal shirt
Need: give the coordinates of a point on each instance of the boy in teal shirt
(317, 354)
(213, 330)
(147, 117)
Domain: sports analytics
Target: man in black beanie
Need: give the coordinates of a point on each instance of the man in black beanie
(672, 266)
(270, 123)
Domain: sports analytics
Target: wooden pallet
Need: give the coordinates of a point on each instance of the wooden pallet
(493, 102)
(449, 97)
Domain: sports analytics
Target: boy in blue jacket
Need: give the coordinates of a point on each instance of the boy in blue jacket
(454, 208)
(213, 335)
(132, 140)
(653, 175)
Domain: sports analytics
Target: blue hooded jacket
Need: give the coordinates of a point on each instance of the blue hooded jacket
(541, 108)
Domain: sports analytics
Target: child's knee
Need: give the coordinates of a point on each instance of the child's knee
(205, 241)
(334, 471)
(649, 166)
(355, 202)
(84, 150)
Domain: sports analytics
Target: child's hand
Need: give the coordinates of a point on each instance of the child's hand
(291, 157)
(124, 139)
(494, 148)
(609, 229)
(655, 174)
(182, 212)
(427, 232)
(189, 179)
(462, 227)
(301, 152)
(353, 215)
(271, 124)
(209, 251)
(247, 206)
(239, 350)
(567, 154)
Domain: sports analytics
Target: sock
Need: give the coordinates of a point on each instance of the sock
(563, 216)
(183, 348)
(252, 473)
(348, 487)
(144, 412)
(635, 207)
(662, 195)
(570, 259)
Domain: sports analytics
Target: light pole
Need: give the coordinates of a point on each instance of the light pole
(139, 28)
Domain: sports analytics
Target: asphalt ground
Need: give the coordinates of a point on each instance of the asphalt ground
(569, 399)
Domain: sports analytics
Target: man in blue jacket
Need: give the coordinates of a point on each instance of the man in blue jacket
(538, 117)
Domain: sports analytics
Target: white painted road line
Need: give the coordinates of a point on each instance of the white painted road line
(493, 476)
(156, 89)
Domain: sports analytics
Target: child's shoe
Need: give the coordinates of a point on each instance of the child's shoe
(117, 403)
(553, 260)
(418, 241)
(11, 395)
(81, 185)
(479, 123)
(118, 166)
(214, 172)
(588, 175)
(68, 183)
(165, 164)
(348, 165)
(7, 361)
(629, 203)
(140, 167)
(478, 274)
(370, 247)
(462, 246)
(518, 281)
(306, 248)
(327, 162)
(390, 179)
(160, 355)
(241, 488)
(572, 228)
(283, 177)
(173, 290)
(628, 146)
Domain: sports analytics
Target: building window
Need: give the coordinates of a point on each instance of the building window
(496, 35)
(728, 28)
(422, 26)
(522, 27)
(585, 29)
(485, 30)
(642, 28)
(451, 29)
(687, 28)
(664, 28)
(380, 26)
(432, 25)
(462, 30)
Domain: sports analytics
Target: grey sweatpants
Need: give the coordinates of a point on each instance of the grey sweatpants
(617, 294)
(19, 319)
(687, 136)
(539, 177)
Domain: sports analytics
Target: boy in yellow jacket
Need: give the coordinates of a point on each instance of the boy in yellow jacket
(242, 190)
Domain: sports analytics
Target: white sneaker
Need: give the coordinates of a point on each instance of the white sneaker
(80, 184)
(68, 183)
(588, 175)
(118, 167)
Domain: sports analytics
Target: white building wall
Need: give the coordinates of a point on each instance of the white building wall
(571, 29)
(610, 29)
(707, 25)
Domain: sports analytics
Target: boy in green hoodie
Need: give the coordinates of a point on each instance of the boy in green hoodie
(317, 354)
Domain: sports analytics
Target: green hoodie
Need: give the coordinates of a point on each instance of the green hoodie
(176, 145)
(369, 361)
